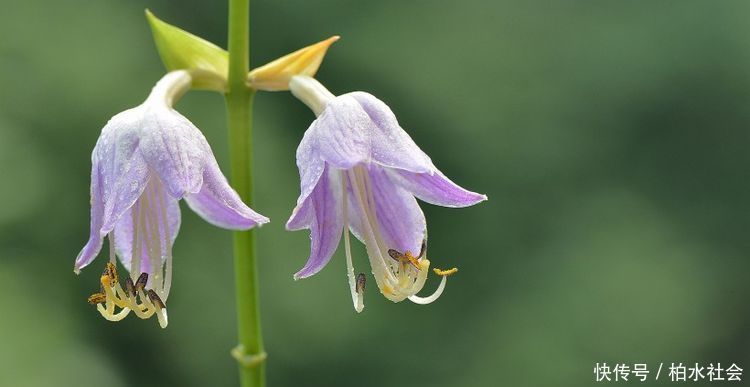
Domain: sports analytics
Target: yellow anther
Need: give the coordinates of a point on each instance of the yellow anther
(413, 260)
(405, 258)
(97, 298)
(444, 273)
(109, 276)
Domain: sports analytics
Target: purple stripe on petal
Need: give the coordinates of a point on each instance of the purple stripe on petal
(390, 145)
(435, 189)
(399, 219)
(357, 128)
(124, 172)
(124, 232)
(219, 204)
(342, 134)
(175, 150)
(325, 222)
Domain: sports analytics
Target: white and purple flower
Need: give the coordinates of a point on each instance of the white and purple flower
(360, 172)
(147, 159)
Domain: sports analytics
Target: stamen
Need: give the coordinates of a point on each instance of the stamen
(167, 284)
(145, 309)
(109, 275)
(444, 273)
(404, 258)
(151, 245)
(404, 274)
(155, 299)
(357, 296)
(108, 312)
(113, 296)
(129, 287)
(361, 280)
(438, 292)
(136, 251)
(381, 269)
(142, 281)
(161, 310)
(152, 234)
(97, 298)
(111, 238)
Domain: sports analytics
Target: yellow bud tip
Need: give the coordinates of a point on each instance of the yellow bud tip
(445, 273)
(275, 76)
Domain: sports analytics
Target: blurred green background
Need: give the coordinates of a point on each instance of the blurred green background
(611, 137)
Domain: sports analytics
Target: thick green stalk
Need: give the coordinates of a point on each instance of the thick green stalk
(239, 98)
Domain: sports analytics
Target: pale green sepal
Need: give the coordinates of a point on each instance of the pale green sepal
(181, 50)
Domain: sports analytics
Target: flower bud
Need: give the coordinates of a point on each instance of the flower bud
(275, 76)
(181, 50)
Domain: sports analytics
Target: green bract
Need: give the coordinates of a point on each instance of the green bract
(181, 50)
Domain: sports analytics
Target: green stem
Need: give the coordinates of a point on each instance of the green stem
(239, 98)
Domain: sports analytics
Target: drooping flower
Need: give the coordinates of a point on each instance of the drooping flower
(147, 159)
(360, 172)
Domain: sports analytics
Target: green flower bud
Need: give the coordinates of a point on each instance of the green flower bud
(181, 50)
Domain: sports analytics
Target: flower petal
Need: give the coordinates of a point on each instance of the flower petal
(158, 204)
(118, 176)
(341, 133)
(390, 145)
(358, 128)
(124, 172)
(400, 222)
(436, 189)
(94, 244)
(311, 168)
(219, 204)
(175, 149)
(325, 221)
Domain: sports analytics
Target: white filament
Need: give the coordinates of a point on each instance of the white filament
(431, 298)
(357, 298)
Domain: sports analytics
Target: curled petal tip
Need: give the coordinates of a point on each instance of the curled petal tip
(302, 274)
(261, 220)
(220, 205)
